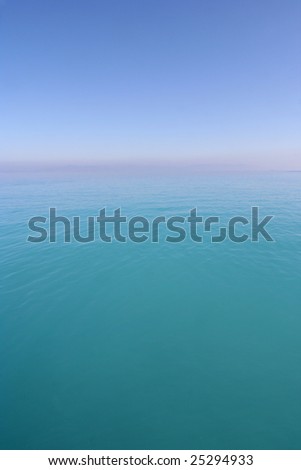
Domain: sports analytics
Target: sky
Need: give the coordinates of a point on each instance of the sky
(214, 82)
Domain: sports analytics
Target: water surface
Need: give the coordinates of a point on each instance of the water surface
(150, 346)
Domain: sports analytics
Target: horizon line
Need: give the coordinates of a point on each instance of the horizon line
(167, 165)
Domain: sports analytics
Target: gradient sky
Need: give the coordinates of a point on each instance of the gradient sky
(211, 81)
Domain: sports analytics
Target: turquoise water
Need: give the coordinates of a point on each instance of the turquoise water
(151, 346)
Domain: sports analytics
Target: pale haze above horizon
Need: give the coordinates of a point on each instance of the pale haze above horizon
(213, 83)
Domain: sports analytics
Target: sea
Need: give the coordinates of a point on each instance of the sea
(150, 345)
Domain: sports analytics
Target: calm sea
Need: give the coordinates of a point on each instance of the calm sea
(150, 345)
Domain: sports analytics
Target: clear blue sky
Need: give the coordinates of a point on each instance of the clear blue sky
(212, 81)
